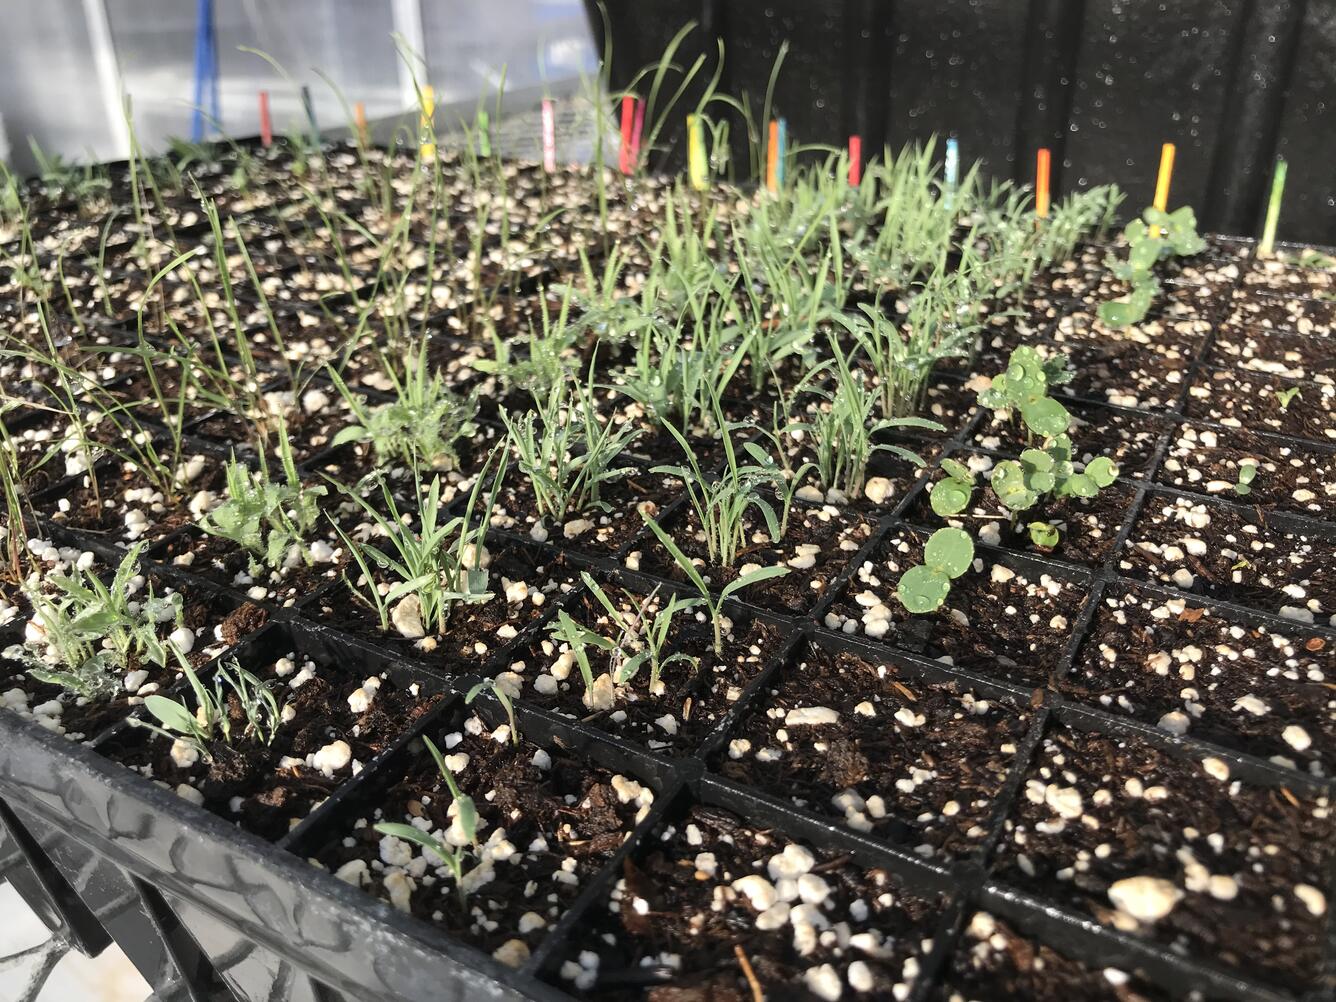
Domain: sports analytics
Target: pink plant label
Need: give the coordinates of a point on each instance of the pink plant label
(549, 137)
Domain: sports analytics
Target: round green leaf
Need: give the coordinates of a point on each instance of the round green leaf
(1009, 485)
(922, 589)
(1102, 471)
(949, 551)
(1037, 458)
(1061, 451)
(1046, 417)
(1040, 481)
(949, 497)
(1082, 486)
(1043, 534)
(957, 470)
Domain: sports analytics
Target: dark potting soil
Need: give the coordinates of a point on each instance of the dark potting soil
(223, 562)
(678, 928)
(1289, 476)
(1285, 274)
(1280, 312)
(1210, 674)
(1260, 402)
(613, 527)
(915, 762)
(1297, 356)
(1129, 373)
(547, 822)
(473, 631)
(995, 961)
(1220, 869)
(1232, 553)
(102, 512)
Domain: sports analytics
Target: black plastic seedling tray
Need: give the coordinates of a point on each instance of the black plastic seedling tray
(207, 911)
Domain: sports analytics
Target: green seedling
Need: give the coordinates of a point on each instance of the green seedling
(93, 630)
(1156, 236)
(578, 640)
(466, 819)
(1044, 535)
(423, 424)
(721, 503)
(211, 720)
(951, 495)
(437, 565)
(265, 518)
(843, 428)
(568, 453)
(714, 603)
(644, 634)
(1286, 397)
(502, 697)
(1247, 473)
(1023, 390)
(946, 556)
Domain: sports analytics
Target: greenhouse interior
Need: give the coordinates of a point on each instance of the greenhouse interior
(677, 502)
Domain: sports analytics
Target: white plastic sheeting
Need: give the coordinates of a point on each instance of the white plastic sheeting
(49, 59)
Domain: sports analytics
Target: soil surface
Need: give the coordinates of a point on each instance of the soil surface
(678, 927)
(918, 763)
(1237, 859)
(547, 822)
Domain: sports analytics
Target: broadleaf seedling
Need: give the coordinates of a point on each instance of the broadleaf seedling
(1247, 474)
(946, 556)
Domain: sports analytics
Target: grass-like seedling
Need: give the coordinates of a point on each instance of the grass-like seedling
(946, 556)
(551, 349)
(715, 603)
(578, 640)
(465, 820)
(422, 424)
(1072, 218)
(566, 451)
(721, 503)
(902, 357)
(677, 373)
(844, 428)
(211, 720)
(17, 507)
(644, 636)
(431, 568)
(502, 697)
(1157, 235)
(90, 630)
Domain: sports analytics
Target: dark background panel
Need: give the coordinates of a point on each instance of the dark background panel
(812, 90)
(959, 69)
(1151, 73)
(1102, 82)
(1308, 130)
